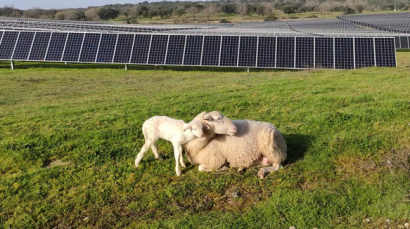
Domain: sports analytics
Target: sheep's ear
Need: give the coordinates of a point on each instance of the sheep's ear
(208, 117)
(187, 126)
(206, 126)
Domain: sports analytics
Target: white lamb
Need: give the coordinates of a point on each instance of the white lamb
(176, 131)
(254, 144)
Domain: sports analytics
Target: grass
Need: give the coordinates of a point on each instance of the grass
(69, 136)
(236, 18)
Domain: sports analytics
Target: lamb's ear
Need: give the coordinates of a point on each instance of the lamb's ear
(206, 126)
(187, 126)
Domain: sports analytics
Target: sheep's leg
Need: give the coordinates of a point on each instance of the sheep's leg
(203, 168)
(155, 151)
(265, 170)
(177, 157)
(144, 149)
(181, 157)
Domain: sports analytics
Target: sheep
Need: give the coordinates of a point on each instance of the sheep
(176, 131)
(254, 144)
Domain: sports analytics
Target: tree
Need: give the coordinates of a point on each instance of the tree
(192, 11)
(152, 12)
(59, 16)
(261, 10)
(33, 13)
(179, 11)
(360, 8)
(242, 9)
(209, 10)
(134, 11)
(92, 14)
(75, 15)
(228, 8)
(6, 11)
(289, 9)
(324, 7)
(269, 7)
(106, 13)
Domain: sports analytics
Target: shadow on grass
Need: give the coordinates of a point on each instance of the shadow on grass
(297, 147)
(29, 64)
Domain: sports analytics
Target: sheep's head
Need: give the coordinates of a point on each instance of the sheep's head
(218, 122)
(196, 128)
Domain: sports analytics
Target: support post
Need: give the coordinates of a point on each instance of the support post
(126, 67)
(247, 69)
(12, 65)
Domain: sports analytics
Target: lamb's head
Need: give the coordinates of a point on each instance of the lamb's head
(196, 128)
(218, 122)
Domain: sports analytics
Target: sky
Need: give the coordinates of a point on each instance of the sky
(58, 4)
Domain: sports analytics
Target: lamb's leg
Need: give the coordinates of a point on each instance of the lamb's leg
(176, 154)
(144, 149)
(155, 151)
(181, 157)
(265, 170)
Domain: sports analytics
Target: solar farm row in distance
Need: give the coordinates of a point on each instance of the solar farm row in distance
(199, 50)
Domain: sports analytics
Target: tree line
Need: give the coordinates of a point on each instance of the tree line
(188, 12)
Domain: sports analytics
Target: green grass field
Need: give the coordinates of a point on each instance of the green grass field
(236, 18)
(69, 136)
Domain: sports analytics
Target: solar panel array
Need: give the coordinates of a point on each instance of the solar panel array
(394, 22)
(198, 50)
(337, 44)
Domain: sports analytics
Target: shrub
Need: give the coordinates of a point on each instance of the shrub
(224, 21)
(270, 18)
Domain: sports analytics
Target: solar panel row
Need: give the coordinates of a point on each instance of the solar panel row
(233, 51)
(402, 42)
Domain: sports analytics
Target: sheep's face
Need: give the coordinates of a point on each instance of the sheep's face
(220, 123)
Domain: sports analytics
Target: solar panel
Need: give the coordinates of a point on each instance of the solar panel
(404, 43)
(397, 42)
(324, 53)
(385, 52)
(40, 44)
(23, 46)
(364, 50)
(247, 51)
(107, 48)
(211, 50)
(73, 47)
(124, 48)
(344, 53)
(141, 48)
(193, 50)
(176, 48)
(158, 49)
(267, 52)
(56, 46)
(7, 45)
(229, 51)
(90, 47)
(304, 52)
(285, 57)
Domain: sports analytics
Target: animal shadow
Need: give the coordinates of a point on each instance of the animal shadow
(297, 146)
